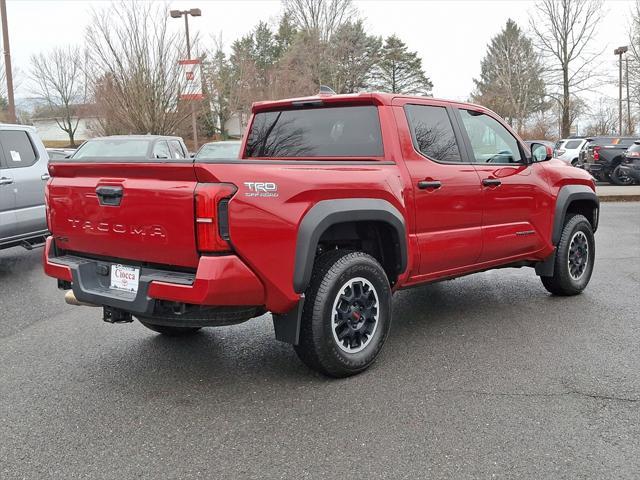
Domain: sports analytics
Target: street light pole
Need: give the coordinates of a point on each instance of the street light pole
(629, 132)
(194, 12)
(619, 51)
(7, 62)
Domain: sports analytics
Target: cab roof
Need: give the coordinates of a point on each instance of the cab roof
(364, 98)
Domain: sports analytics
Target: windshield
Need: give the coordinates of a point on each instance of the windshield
(219, 150)
(113, 148)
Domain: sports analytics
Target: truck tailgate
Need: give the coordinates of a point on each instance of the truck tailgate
(143, 212)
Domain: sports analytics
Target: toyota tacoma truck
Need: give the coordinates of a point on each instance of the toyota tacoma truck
(335, 202)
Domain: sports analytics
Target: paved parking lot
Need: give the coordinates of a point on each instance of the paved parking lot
(482, 377)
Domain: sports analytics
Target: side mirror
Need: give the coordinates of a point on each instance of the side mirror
(540, 152)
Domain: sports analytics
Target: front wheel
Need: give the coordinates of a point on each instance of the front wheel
(618, 177)
(575, 256)
(346, 315)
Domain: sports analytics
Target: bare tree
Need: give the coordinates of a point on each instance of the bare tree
(604, 119)
(135, 75)
(59, 82)
(634, 61)
(4, 101)
(541, 125)
(319, 17)
(564, 30)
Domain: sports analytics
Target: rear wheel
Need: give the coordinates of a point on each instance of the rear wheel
(170, 331)
(618, 177)
(575, 256)
(346, 315)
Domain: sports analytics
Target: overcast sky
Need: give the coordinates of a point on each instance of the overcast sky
(450, 36)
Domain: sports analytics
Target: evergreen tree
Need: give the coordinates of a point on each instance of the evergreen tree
(510, 80)
(354, 54)
(400, 71)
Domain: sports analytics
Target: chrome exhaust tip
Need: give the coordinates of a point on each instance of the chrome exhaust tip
(71, 299)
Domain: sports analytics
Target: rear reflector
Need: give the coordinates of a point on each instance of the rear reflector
(212, 225)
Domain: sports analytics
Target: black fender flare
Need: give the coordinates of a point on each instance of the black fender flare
(330, 212)
(566, 195)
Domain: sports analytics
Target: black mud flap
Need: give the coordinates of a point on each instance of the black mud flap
(287, 325)
(547, 266)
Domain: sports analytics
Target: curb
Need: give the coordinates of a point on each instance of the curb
(619, 198)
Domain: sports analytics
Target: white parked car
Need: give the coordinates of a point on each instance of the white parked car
(568, 149)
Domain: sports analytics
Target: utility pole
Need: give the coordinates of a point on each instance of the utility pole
(7, 62)
(619, 51)
(194, 12)
(629, 131)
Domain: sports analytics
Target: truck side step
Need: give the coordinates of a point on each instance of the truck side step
(32, 243)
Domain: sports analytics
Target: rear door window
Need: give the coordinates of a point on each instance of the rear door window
(316, 132)
(432, 133)
(572, 144)
(17, 148)
(626, 142)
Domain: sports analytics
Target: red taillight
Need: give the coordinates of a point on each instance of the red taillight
(211, 216)
(633, 154)
(596, 153)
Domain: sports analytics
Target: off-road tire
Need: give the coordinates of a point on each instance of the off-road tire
(319, 346)
(563, 282)
(170, 331)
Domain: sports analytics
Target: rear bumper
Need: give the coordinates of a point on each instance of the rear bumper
(593, 167)
(218, 281)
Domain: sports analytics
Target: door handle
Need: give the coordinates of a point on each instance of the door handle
(6, 181)
(491, 182)
(429, 184)
(45, 176)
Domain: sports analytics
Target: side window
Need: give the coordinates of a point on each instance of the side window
(161, 150)
(17, 148)
(176, 149)
(490, 141)
(572, 145)
(432, 133)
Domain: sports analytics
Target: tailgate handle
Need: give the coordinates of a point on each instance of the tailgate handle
(111, 196)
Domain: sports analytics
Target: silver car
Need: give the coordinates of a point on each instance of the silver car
(23, 175)
(227, 149)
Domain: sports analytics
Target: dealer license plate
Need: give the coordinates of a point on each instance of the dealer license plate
(125, 278)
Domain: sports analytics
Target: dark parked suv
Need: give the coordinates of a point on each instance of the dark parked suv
(630, 166)
(603, 156)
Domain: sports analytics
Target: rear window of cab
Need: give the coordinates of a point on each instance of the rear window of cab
(352, 131)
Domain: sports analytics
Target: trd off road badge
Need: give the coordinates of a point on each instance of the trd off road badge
(261, 189)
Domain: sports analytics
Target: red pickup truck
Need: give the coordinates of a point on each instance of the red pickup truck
(336, 202)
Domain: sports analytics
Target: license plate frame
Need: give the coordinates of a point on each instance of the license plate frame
(124, 278)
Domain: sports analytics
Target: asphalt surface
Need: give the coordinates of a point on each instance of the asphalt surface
(486, 376)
